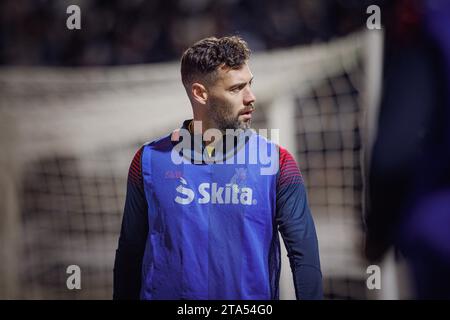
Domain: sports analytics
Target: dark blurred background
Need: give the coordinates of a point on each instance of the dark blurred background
(117, 32)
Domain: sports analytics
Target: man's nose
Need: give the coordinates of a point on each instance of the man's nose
(249, 97)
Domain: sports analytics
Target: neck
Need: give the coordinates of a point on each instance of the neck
(199, 126)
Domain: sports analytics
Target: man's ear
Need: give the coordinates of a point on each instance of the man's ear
(199, 93)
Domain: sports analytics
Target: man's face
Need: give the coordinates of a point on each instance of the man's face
(230, 99)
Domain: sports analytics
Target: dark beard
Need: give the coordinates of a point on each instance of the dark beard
(220, 114)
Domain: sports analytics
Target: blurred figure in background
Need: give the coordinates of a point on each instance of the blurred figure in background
(409, 179)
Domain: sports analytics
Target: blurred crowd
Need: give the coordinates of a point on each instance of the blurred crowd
(116, 32)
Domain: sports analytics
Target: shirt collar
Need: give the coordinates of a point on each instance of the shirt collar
(188, 125)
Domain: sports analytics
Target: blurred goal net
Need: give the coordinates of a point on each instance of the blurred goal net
(68, 137)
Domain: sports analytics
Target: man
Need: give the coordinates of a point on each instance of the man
(200, 229)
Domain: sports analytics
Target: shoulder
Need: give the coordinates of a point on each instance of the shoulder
(289, 172)
(259, 137)
(159, 143)
(286, 159)
(285, 156)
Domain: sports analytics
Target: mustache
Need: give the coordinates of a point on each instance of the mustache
(245, 110)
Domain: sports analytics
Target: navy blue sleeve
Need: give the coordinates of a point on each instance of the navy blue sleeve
(297, 229)
(133, 235)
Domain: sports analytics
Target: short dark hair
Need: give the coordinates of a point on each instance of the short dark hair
(207, 55)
